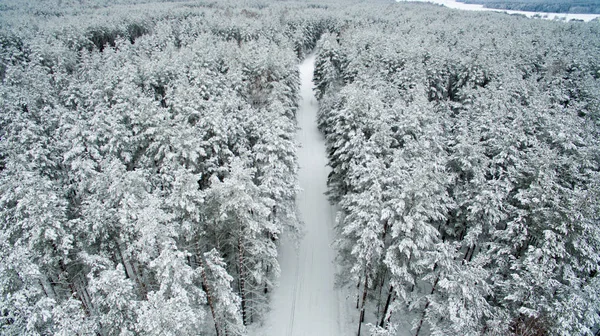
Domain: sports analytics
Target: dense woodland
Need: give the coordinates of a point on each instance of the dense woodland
(148, 165)
(465, 159)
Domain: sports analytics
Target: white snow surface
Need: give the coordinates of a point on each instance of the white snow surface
(307, 302)
(475, 7)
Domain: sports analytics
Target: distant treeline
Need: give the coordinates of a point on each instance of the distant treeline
(561, 6)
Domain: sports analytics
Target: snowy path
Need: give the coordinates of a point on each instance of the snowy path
(306, 303)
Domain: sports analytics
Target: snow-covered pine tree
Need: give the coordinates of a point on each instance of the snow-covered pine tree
(224, 302)
(178, 304)
(243, 231)
(328, 66)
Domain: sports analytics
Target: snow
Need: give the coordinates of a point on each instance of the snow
(550, 16)
(306, 302)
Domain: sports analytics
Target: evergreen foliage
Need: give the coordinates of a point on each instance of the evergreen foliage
(464, 161)
(148, 164)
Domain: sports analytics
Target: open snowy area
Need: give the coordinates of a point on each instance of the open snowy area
(297, 168)
(548, 16)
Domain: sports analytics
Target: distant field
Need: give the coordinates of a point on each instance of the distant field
(582, 7)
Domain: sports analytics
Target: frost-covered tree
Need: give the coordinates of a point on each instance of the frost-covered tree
(328, 66)
(463, 149)
(178, 305)
(225, 304)
(242, 224)
(482, 176)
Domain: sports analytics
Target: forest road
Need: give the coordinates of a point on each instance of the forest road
(306, 303)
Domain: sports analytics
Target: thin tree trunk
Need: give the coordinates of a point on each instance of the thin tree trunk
(44, 289)
(127, 275)
(362, 306)
(209, 297)
(364, 298)
(48, 287)
(73, 288)
(143, 288)
(387, 320)
(426, 306)
(250, 311)
(242, 279)
(358, 294)
(53, 280)
(472, 251)
(387, 306)
(84, 292)
(132, 273)
(422, 318)
(466, 253)
(381, 291)
(71, 284)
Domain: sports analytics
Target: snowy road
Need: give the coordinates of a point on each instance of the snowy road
(306, 303)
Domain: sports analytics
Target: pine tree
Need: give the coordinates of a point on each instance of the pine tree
(328, 66)
(243, 213)
(217, 284)
(177, 306)
(115, 301)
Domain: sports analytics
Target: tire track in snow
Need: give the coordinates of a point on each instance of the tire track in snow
(293, 310)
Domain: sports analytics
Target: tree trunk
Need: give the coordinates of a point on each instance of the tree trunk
(426, 306)
(358, 294)
(85, 295)
(362, 306)
(364, 298)
(389, 317)
(127, 275)
(209, 297)
(359, 324)
(472, 251)
(466, 253)
(143, 288)
(381, 291)
(130, 272)
(387, 306)
(44, 289)
(72, 287)
(242, 279)
(48, 287)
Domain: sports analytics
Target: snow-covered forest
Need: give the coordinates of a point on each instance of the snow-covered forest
(148, 165)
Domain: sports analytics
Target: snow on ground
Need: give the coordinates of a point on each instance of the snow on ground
(306, 301)
(550, 16)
